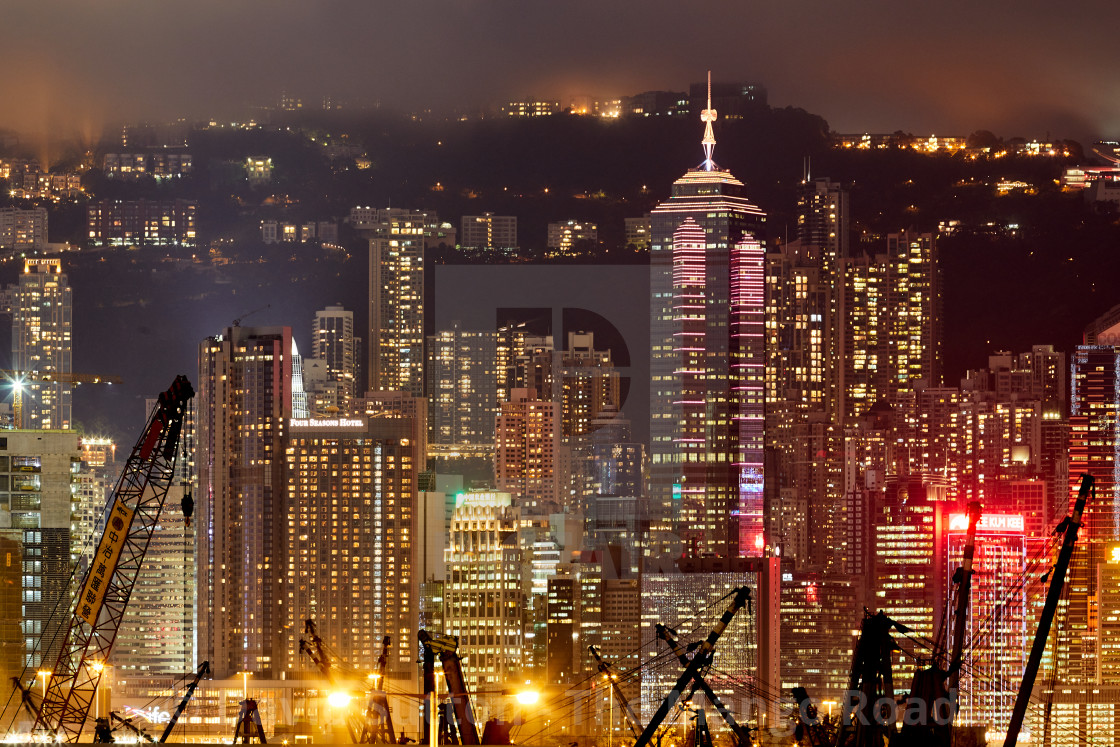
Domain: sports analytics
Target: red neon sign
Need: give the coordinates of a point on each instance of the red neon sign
(1014, 523)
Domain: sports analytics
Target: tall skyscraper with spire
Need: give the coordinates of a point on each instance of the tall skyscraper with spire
(706, 363)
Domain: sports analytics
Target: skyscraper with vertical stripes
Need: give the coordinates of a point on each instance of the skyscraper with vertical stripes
(707, 365)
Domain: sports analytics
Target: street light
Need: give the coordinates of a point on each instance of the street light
(245, 683)
(46, 675)
(339, 699)
(99, 667)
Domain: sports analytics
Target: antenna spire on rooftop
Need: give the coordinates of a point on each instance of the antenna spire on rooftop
(707, 117)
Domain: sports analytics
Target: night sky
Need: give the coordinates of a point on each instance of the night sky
(1021, 68)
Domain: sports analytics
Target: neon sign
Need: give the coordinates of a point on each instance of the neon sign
(1014, 523)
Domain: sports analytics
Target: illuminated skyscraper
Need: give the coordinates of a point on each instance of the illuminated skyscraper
(334, 343)
(36, 513)
(463, 386)
(891, 309)
(996, 622)
(245, 396)
(396, 300)
(42, 309)
(484, 600)
(707, 363)
(527, 453)
(157, 633)
(351, 541)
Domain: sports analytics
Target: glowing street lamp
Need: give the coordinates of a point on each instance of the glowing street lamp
(245, 683)
(46, 675)
(528, 697)
(339, 699)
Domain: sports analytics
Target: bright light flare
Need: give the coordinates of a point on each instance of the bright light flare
(339, 699)
(528, 697)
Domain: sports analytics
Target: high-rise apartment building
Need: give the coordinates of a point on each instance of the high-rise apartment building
(489, 232)
(38, 473)
(891, 307)
(396, 299)
(463, 386)
(245, 399)
(351, 540)
(42, 320)
(707, 364)
(333, 342)
(528, 459)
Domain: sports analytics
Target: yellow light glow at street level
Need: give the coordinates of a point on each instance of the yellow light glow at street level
(339, 699)
(97, 666)
(528, 697)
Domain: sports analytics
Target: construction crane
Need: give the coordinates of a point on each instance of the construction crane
(203, 670)
(741, 733)
(376, 724)
(133, 512)
(871, 681)
(699, 660)
(448, 649)
(19, 378)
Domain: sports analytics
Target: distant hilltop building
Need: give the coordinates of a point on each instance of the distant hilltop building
(275, 232)
(490, 232)
(530, 108)
(142, 222)
(161, 164)
(23, 229)
(563, 236)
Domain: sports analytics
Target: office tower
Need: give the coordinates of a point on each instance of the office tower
(42, 308)
(997, 618)
(351, 541)
(396, 299)
(706, 363)
(572, 236)
(39, 471)
(907, 535)
(747, 651)
(157, 633)
(334, 343)
(489, 232)
(463, 386)
(528, 459)
(245, 399)
(483, 594)
(819, 614)
(561, 629)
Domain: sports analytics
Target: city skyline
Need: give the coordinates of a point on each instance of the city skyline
(806, 456)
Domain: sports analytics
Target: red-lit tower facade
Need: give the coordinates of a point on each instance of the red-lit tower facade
(996, 625)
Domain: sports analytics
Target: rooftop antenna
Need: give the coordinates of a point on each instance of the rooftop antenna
(707, 117)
